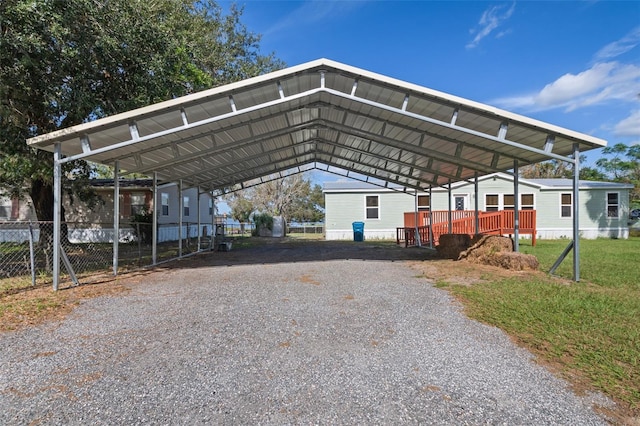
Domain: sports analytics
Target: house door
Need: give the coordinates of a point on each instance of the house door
(460, 201)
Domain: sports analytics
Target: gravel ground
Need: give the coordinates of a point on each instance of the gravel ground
(336, 341)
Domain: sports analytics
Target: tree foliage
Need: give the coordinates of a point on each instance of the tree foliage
(622, 164)
(619, 163)
(64, 62)
(292, 197)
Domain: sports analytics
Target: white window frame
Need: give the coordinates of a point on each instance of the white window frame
(617, 205)
(494, 207)
(531, 206)
(185, 206)
(164, 203)
(465, 201)
(423, 207)
(570, 205)
(377, 208)
(7, 205)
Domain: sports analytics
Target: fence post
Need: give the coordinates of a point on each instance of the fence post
(32, 255)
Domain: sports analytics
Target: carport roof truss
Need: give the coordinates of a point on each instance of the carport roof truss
(321, 113)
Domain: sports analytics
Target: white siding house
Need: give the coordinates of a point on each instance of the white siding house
(604, 206)
(95, 224)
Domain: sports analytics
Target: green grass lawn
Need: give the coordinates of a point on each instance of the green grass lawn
(589, 330)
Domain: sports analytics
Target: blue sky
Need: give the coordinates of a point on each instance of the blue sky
(575, 64)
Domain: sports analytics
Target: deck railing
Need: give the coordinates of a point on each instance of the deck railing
(464, 222)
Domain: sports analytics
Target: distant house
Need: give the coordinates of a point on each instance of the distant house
(95, 224)
(604, 206)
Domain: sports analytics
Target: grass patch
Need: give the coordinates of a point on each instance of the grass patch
(590, 330)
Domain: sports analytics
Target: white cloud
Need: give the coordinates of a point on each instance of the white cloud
(313, 11)
(491, 19)
(603, 82)
(630, 126)
(619, 47)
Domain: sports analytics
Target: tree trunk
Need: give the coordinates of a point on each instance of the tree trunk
(41, 193)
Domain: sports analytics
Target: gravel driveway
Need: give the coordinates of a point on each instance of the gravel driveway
(330, 341)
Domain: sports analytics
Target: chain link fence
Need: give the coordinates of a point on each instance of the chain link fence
(26, 249)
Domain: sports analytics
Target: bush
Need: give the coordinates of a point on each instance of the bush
(262, 221)
(142, 223)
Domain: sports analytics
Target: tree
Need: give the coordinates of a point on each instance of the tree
(292, 197)
(241, 207)
(623, 165)
(309, 208)
(64, 62)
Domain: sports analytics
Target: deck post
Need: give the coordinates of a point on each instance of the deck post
(430, 221)
(516, 207)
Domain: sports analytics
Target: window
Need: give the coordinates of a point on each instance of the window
(423, 203)
(210, 207)
(508, 201)
(5, 208)
(185, 206)
(137, 203)
(526, 201)
(372, 207)
(491, 203)
(613, 204)
(165, 204)
(459, 202)
(566, 205)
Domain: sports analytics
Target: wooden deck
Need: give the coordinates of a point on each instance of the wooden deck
(464, 222)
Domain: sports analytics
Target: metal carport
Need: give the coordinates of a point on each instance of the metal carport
(321, 114)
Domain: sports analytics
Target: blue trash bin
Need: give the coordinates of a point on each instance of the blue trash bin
(358, 231)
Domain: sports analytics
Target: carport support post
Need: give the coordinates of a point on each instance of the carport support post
(476, 222)
(516, 208)
(449, 193)
(57, 199)
(213, 220)
(415, 219)
(116, 215)
(180, 210)
(576, 212)
(199, 219)
(430, 220)
(154, 226)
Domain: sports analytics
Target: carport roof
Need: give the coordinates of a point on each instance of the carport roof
(321, 114)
